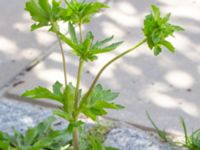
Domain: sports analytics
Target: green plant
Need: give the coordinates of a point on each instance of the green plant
(161, 133)
(96, 100)
(191, 142)
(40, 137)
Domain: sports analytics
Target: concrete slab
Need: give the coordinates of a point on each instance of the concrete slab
(166, 86)
(18, 46)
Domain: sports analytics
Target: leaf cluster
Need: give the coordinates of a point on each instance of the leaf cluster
(45, 14)
(157, 29)
(41, 137)
(80, 12)
(99, 100)
(87, 49)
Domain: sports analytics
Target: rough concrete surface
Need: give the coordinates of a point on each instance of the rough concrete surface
(166, 86)
(18, 46)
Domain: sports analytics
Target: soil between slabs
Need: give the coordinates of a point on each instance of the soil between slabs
(21, 116)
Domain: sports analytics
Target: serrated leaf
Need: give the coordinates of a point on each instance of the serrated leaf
(41, 92)
(72, 33)
(108, 48)
(102, 42)
(44, 13)
(45, 6)
(37, 13)
(57, 88)
(81, 12)
(100, 94)
(99, 101)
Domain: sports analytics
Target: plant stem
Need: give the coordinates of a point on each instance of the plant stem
(85, 98)
(63, 59)
(80, 31)
(80, 69)
(75, 139)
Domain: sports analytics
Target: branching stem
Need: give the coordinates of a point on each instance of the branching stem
(85, 98)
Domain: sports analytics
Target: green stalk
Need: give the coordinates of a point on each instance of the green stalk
(80, 31)
(85, 98)
(80, 70)
(63, 59)
(75, 139)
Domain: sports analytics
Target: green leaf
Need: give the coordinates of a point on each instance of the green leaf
(41, 92)
(111, 148)
(99, 101)
(162, 134)
(45, 13)
(156, 12)
(81, 12)
(157, 50)
(108, 48)
(37, 13)
(166, 18)
(185, 130)
(100, 94)
(4, 145)
(196, 138)
(177, 28)
(104, 104)
(57, 88)
(45, 6)
(72, 33)
(102, 42)
(168, 45)
(86, 45)
(157, 29)
(33, 134)
(63, 114)
(69, 97)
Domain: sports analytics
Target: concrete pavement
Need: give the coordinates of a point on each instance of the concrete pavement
(166, 86)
